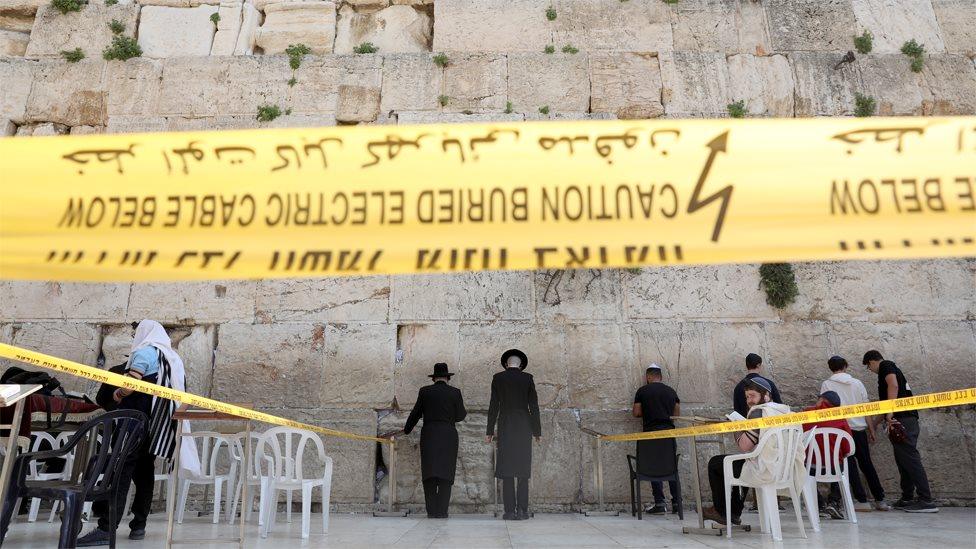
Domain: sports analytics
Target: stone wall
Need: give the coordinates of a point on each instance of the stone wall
(346, 352)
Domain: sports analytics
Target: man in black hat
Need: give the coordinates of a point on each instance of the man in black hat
(515, 407)
(441, 406)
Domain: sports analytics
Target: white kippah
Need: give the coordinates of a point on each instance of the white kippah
(654, 366)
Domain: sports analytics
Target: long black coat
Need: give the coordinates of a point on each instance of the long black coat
(441, 406)
(515, 407)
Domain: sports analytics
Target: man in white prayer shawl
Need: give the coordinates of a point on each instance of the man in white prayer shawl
(151, 359)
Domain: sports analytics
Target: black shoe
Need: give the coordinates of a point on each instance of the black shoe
(833, 512)
(510, 516)
(95, 538)
(922, 506)
(523, 515)
(137, 534)
(902, 503)
(656, 509)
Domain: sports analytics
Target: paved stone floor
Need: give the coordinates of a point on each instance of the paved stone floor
(951, 528)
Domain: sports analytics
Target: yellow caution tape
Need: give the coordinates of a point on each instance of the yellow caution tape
(918, 402)
(53, 363)
(407, 199)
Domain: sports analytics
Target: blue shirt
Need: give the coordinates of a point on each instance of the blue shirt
(145, 361)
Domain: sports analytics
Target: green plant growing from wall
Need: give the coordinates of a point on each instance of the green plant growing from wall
(670, 1)
(551, 13)
(508, 107)
(544, 109)
(441, 60)
(864, 105)
(570, 49)
(365, 47)
(916, 52)
(737, 109)
(779, 282)
(292, 81)
(116, 26)
(550, 49)
(442, 100)
(296, 52)
(215, 18)
(73, 56)
(122, 48)
(66, 6)
(267, 113)
(111, 2)
(864, 43)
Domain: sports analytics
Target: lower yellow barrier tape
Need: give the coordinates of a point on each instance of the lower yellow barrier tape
(931, 400)
(53, 363)
(306, 202)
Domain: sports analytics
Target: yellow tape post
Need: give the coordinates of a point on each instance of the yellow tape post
(956, 397)
(61, 365)
(379, 199)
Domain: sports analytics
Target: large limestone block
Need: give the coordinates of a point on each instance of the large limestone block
(87, 29)
(817, 25)
(17, 77)
(271, 365)
(797, 352)
(681, 349)
(358, 104)
(176, 32)
(425, 117)
(821, 90)
(628, 85)
(285, 23)
(894, 22)
(252, 81)
(559, 451)
(603, 374)
(583, 294)
(897, 341)
(13, 44)
(194, 345)
(228, 28)
(23, 300)
(728, 26)
(396, 29)
(419, 347)
(133, 87)
(192, 87)
(948, 446)
(193, 302)
(476, 82)
(950, 81)
(729, 344)
(559, 81)
(337, 299)
(498, 295)
(948, 354)
(320, 78)
(247, 37)
(695, 84)
(22, 7)
(885, 291)
(68, 340)
(957, 19)
(765, 83)
(611, 25)
(490, 26)
(897, 91)
(729, 292)
(411, 82)
(241, 122)
(68, 93)
(359, 365)
(16, 21)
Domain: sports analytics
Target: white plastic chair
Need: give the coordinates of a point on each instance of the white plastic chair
(831, 467)
(211, 443)
(253, 478)
(787, 442)
(281, 457)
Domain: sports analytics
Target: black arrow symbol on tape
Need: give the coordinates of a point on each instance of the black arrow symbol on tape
(716, 145)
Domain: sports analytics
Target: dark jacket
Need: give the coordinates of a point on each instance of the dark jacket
(440, 406)
(136, 401)
(515, 407)
(739, 394)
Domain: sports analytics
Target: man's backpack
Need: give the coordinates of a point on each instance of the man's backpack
(49, 385)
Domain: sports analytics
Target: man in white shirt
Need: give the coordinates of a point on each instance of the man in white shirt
(852, 391)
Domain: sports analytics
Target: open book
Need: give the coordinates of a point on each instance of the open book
(7, 391)
(734, 416)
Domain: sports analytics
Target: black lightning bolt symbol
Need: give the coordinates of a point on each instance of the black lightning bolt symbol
(696, 203)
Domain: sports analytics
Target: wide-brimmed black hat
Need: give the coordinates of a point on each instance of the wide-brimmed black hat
(440, 370)
(524, 361)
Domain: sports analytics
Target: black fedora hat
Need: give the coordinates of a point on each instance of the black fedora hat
(440, 370)
(515, 352)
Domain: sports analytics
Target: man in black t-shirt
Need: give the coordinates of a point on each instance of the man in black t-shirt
(891, 385)
(754, 367)
(655, 403)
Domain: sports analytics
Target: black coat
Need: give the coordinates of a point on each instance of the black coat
(515, 407)
(441, 406)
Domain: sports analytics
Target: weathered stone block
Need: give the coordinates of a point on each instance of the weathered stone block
(411, 82)
(24, 300)
(359, 365)
(176, 32)
(271, 365)
(192, 87)
(13, 43)
(689, 293)
(426, 117)
(896, 90)
(195, 345)
(285, 23)
(560, 450)
(586, 294)
(950, 81)
(602, 371)
(71, 341)
(462, 296)
(821, 90)
(68, 93)
(253, 81)
(611, 25)
(193, 302)
(957, 19)
(323, 299)
(894, 22)
(358, 104)
(133, 87)
(87, 29)
(16, 21)
(728, 26)
(419, 347)
(396, 29)
(22, 7)
(17, 77)
(897, 341)
(87, 130)
(557, 80)
(948, 354)
(695, 84)
(796, 352)
(818, 25)
(682, 351)
(729, 344)
(764, 83)
(247, 37)
(228, 29)
(476, 82)
(628, 85)
(517, 25)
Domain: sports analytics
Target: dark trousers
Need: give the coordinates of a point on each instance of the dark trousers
(716, 480)
(437, 496)
(862, 456)
(909, 462)
(657, 488)
(515, 498)
(140, 470)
